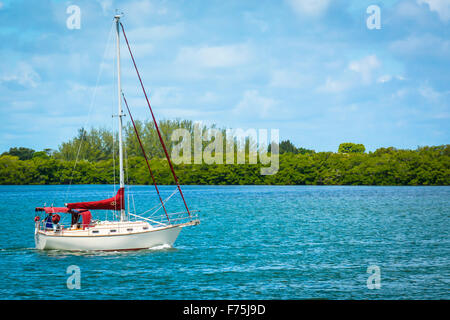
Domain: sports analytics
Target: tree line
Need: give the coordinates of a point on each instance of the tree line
(87, 159)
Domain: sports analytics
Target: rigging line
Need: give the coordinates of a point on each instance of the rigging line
(128, 186)
(156, 124)
(113, 134)
(145, 156)
(167, 199)
(113, 126)
(134, 206)
(159, 206)
(90, 108)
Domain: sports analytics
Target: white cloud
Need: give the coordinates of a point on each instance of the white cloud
(387, 77)
(358, 72)
(401, 93)
(344, 112)
(423, 45)
(155, 32)
(254, 105)
(23, 75)
(429, 93)
(142, 49)
(208, 97)
(408, 9)
(143, 39)
(141, 10)
(365, 67)
(258, 22)
(286, 79)
(334, 86)
(441, 7)
(443, 115)
(106, 6)
(186, 113)
(166, 96)
(309, 7)
(384, 78)
(214, 57)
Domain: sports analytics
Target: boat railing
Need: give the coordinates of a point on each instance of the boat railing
(171, 219)
(41, 226)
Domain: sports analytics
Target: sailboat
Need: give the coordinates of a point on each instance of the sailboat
(129, 231)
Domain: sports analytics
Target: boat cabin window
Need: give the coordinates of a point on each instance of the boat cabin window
(112, 230)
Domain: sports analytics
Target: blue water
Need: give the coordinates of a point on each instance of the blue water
(254, 242)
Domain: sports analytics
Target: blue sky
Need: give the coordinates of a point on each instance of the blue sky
(311, 69)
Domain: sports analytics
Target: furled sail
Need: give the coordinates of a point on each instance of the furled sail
(115, 203)
(53, 209)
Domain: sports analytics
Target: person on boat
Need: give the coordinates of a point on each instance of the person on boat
(75, 218)
(55, 220)
(49, 222)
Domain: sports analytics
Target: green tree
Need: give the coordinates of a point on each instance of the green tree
(21, 152)
(427, 165)
(287, 146)
(349, 147)
(41, 154)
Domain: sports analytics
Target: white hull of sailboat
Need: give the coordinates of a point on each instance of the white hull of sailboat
(133, 241)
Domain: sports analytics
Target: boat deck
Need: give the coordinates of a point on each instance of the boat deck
(111, 228)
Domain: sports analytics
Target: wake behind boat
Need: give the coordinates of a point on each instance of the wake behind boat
(131, 231)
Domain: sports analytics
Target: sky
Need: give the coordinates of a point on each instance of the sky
(312, 69)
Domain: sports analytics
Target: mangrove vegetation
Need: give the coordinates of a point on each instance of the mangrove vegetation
(87, 159)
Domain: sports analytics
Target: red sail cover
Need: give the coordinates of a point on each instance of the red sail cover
(115, 203)
(53, 209)
(86, 216)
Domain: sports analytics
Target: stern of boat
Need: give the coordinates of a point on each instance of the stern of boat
(39, 239)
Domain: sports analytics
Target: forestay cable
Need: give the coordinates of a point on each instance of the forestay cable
(155, 122)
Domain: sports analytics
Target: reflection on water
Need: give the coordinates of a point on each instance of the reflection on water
(119, 253)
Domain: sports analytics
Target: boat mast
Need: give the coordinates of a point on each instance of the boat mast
(120, 114)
